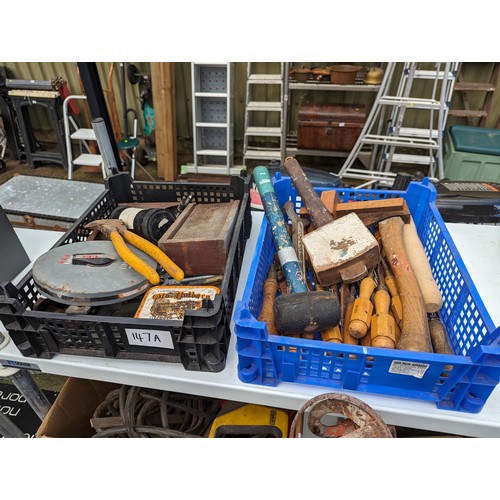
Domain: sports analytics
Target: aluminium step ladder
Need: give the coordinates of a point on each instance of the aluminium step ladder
(264, 120)
(83, 136)
(213, 128)
(391, 142)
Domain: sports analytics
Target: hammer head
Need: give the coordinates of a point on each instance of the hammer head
(306, 312)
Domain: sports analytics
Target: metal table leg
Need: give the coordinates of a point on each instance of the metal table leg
(9, 429)
(26, 385)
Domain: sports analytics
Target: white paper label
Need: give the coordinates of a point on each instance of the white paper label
(412, 369)
(150, 338)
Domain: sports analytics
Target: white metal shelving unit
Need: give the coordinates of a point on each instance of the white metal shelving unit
(213, 129)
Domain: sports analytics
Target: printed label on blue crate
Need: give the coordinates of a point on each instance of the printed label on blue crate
(150, 338)
(408, 368)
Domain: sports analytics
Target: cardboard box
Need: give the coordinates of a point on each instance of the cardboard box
(69, 416)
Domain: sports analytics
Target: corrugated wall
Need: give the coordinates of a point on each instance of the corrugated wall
(68, 70)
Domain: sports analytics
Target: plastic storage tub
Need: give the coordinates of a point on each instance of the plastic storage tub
(199, 342)
(460, 382)
(472, 154)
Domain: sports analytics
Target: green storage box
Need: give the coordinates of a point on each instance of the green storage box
(472, 154)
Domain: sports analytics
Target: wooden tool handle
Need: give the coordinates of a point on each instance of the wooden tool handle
(332, 334)
(316, 208)
(347, 338)
(397, 329)
(269, 290)
(381, 301)
(415, 334)
(392, 287)
(417, 257)
(390, 283)
(382, 330)
(438, 336)
(362, 310)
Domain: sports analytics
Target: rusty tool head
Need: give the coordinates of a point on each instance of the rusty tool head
(106, 226)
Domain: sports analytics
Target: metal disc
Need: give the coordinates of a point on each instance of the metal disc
(58, 276)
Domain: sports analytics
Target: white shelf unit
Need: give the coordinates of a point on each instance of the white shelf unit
(213, 129)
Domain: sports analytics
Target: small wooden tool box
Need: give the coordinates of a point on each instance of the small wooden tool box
(334, 127)
(198, 241)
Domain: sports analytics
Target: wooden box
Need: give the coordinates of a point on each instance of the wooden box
(334, 127)
(198, 241)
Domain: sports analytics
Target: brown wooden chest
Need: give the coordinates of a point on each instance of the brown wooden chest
(334, 127)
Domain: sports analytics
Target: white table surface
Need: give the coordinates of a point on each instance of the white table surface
(471, 240)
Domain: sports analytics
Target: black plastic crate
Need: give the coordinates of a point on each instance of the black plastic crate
(199, 342)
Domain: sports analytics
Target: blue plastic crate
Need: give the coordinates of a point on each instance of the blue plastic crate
(461, 382)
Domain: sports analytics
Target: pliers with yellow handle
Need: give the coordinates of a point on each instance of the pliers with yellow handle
(118, 233)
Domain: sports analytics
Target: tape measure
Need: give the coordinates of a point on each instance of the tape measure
(89, 273)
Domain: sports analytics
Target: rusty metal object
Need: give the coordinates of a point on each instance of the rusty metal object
(172, 302)
(298, 231)
(358, 419)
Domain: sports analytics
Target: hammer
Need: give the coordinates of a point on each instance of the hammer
(339, 250)
(302, 311)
